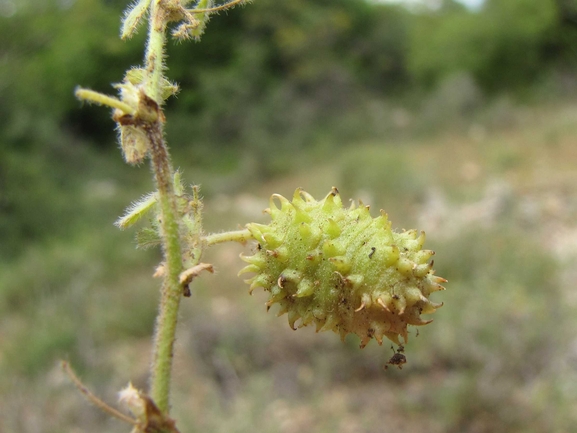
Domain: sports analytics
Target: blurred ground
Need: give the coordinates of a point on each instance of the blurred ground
(498, 200)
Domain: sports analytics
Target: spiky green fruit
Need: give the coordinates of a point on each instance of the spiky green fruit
(341, 269)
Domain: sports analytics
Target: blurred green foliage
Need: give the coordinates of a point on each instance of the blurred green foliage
(505, 45)
(286, 77)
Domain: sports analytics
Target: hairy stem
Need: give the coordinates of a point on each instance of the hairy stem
(234, 236)
(171, 289)
(169, 219)
(155, 50)
(150, 114)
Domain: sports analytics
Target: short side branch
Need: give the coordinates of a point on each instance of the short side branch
(241, 236)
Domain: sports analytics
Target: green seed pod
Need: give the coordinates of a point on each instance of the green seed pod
(341, 269)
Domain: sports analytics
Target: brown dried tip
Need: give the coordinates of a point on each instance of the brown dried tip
(190, 274)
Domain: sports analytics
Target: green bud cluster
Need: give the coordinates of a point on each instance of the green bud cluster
(341, 269)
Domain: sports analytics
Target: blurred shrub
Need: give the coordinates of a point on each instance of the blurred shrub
(300, 72)
(504, 45)
(47, 48)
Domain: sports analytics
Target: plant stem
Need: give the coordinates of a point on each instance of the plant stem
(155, 51)
(234, 236)
(164, 175)
(170, 219)
(171, 288)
